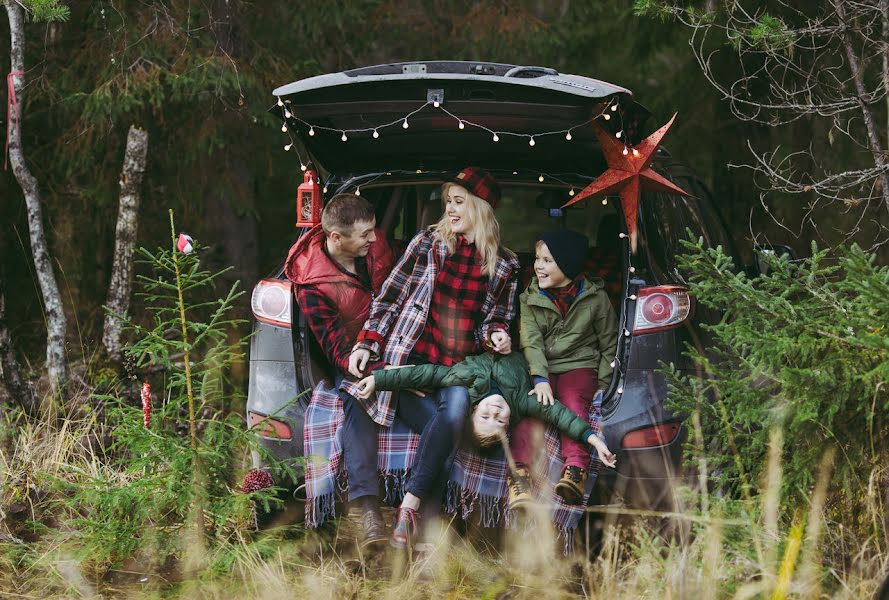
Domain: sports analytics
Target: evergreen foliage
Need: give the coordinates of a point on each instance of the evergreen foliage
(168, 489)
(802, 348)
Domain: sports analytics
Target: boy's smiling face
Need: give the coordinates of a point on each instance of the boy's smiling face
(549, 275)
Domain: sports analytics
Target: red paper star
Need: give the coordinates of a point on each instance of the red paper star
(628, 174)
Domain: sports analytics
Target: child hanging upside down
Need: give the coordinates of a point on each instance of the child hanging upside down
(500, 394)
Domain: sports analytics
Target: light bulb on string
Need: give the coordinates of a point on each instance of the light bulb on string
(302, 167)
(633, 297)
(436, 104)
(568, 136)
(280, 103)
(405, 125)
(358, 191)
(288, 147)
(287, 113)
(376, 134)
(618, 134)
(496, 138)
(625, 152)
(622, 235)
(311, 131)
(571, 193)
(613, 107)
(604, 201)
(635, 152)
(284, 128)
(613, 363)
(531, 141)
(325, 189)
(607, 117)
(632, 269)
(540, 179)
(461, 125)
(344, 138)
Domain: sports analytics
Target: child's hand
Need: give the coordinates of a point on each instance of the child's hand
(544, 393)
(366, 387)
(605, 455)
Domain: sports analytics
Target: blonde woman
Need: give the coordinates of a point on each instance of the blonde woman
(452, 295)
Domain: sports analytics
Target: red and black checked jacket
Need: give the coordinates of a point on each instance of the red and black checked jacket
(398, 313)
(454, 313)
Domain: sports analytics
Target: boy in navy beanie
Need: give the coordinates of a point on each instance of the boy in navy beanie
(569, 338)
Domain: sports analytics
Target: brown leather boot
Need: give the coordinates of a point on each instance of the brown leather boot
(405, 528)
(372, 524)
(570, 486)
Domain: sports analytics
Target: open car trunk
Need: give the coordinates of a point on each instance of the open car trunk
(487, 97)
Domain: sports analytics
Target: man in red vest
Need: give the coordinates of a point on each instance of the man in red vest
(337, 268)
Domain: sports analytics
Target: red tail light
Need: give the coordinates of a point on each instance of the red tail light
(661, 307)
(658, 435)
(271, 302)
(270, 429)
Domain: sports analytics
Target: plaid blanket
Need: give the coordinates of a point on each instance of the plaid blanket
(475, 483)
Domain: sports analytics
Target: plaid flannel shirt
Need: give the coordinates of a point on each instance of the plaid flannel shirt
(398, 314)
(449, 334)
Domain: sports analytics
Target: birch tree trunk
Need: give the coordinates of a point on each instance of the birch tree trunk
(56, 327)
(121, 285)
(18, 390)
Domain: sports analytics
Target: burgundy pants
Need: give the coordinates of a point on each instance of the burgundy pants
(575, 389)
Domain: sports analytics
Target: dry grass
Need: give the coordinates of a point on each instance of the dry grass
(715, 550)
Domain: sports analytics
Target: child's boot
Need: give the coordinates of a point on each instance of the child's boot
(519, 488)
(570, 486)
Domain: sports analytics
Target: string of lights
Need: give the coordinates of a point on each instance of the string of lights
(462, 124)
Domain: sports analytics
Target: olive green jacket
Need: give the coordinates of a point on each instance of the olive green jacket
(585, 338)
(509, 372)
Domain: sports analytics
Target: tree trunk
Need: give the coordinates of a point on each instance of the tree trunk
(121, 285)
(870, 124)
(56, 364)
(19, 392)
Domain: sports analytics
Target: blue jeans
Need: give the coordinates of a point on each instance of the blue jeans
(439, 419)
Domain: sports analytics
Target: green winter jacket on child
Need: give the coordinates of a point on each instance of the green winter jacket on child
(585, 339)
(509, 372)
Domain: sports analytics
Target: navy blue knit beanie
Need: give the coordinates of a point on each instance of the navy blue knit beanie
(569, 250)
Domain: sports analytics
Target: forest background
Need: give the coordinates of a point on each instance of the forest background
(793, 156)
(197, 76)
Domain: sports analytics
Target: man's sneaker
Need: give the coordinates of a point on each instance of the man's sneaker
(404, 529)
(570, 486)
(372, 524)
(519, 489)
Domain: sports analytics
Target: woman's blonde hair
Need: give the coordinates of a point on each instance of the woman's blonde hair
(485, 229)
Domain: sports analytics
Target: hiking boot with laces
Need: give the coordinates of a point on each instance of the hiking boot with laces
(570, 486)
(404, 529)
(372, 524)
(519, 489)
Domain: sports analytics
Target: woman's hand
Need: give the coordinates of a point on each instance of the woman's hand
(358, 361)
(366, 387)
(501, 341)
(544, 393)
(605, 455)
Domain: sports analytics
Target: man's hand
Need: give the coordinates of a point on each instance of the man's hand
(544, 393)
(501, 341)
(366, 387)
(358, 361)
(605, 455)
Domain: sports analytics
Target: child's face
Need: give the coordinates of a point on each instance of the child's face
(491, 414)
(549, 275)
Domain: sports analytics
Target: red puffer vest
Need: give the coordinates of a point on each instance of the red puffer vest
(308, 264)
